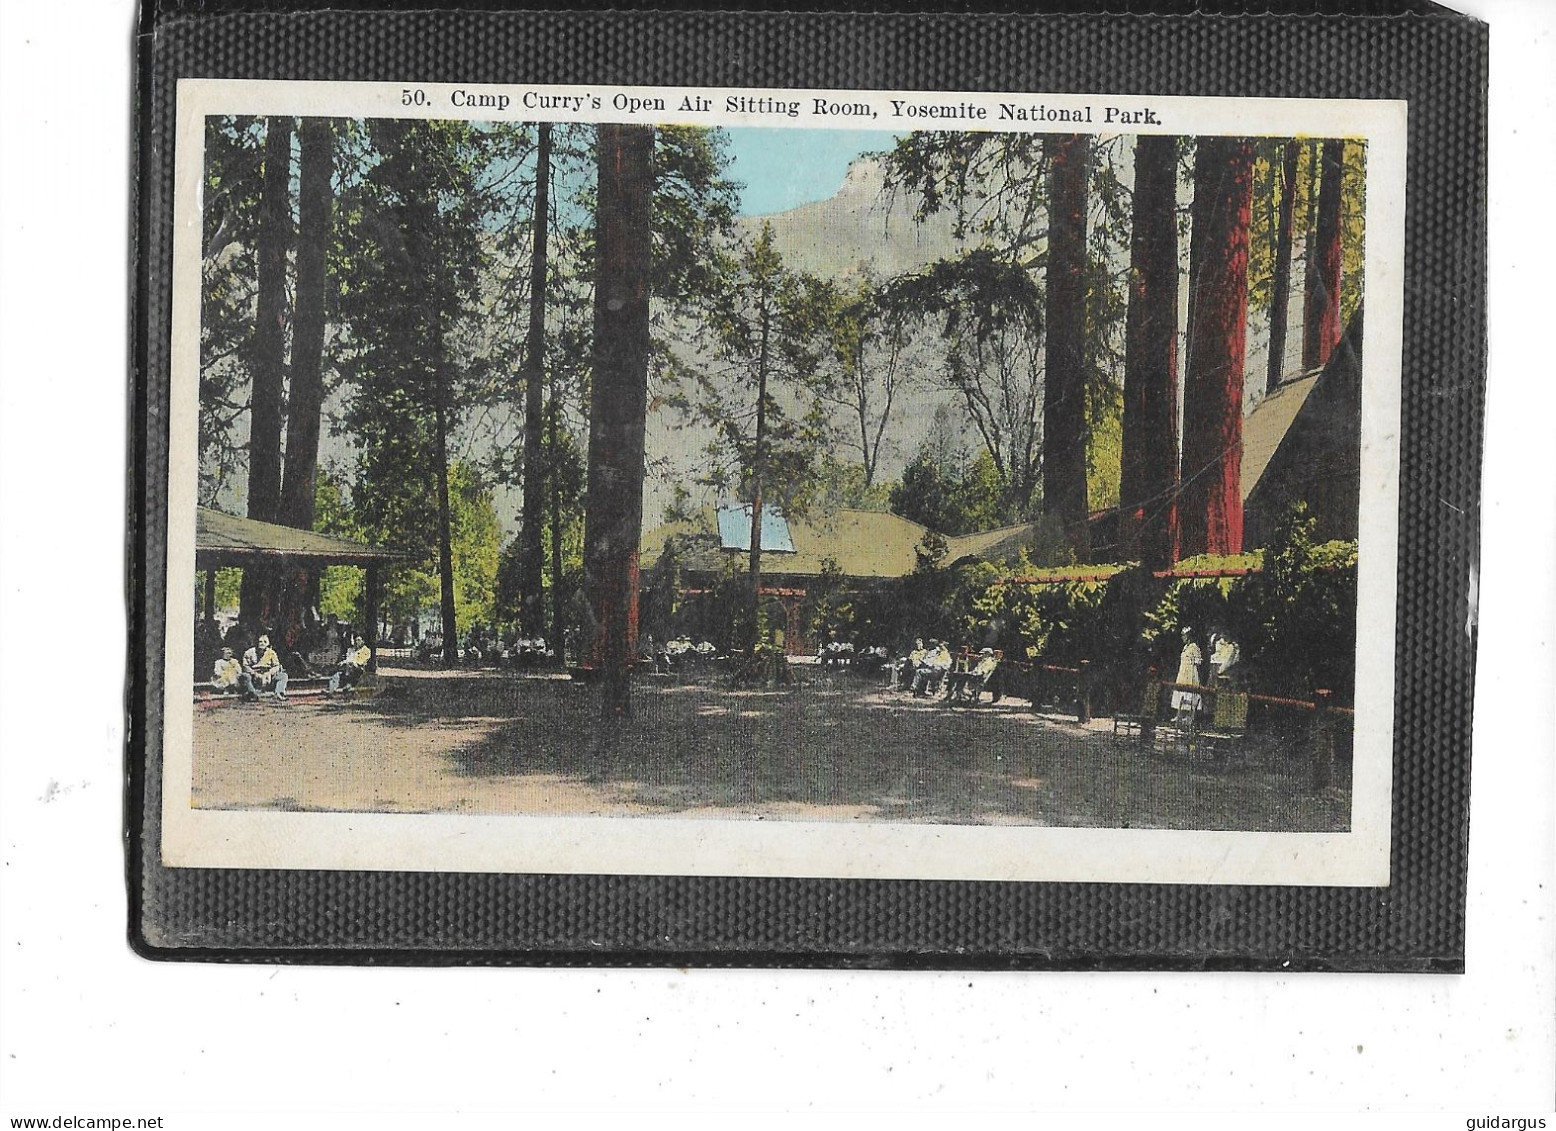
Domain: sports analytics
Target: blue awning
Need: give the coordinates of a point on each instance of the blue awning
(735, 529)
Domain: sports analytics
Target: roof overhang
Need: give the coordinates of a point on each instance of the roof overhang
(224, 540)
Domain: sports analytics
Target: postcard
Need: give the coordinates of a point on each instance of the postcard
(782, 482)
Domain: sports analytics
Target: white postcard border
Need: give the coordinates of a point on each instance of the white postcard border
(766, 847)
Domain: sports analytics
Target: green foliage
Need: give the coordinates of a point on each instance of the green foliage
(765, 332)
(956, 496)
(229, 584)
(1105, 447)
(228, 284)
(565, 473)
(1062, 618)
(340, 587)
(1309, 606)
(874, 353)
(828, 606)
(1203, 603)
(413, 589)
(1294, 622)
(1264, 225)
(992, 297)
(693, 213)
(834, 485)
(990, 313)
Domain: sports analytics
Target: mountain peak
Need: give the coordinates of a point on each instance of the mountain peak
(860, 227)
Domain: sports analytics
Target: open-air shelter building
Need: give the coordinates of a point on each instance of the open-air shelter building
(226, 541)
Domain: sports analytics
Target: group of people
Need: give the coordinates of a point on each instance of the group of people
(1224, 656)
(261, 673)
(484, 646)
(928, 669)
(675, 653)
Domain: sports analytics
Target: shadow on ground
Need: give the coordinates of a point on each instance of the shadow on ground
(839, 750)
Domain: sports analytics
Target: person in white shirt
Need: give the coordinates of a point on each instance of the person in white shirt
(1187, 703)
(353, 666)
(1224, 655)
(227, 674)
(933, 671)
(970, 684)
(262, 671)
(908, 668)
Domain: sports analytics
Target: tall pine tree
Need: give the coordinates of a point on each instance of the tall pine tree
(619, 405)
(411, 264)
(267, 357)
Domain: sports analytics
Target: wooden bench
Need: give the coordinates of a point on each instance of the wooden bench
(303, 687)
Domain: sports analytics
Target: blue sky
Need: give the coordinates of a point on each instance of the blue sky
(783, 169)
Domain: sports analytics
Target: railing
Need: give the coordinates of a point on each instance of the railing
(1321, 727)
(1026, 685)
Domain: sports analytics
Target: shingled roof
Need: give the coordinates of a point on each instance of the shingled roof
(864, 544)
(223, 539)
(1267, 425)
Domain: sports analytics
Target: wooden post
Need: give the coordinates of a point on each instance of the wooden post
(372, 617)
(1148, 720)
(1083, 693)
(1323, 738)
(210, 594)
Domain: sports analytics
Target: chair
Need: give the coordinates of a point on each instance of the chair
(1228, 724)
(1126, 724)
(967, 684)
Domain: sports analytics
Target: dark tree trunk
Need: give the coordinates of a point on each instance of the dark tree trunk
(618, 405)
(1064, 391)
(757, 470)
(445, 521)
(1321, 310)
(1148, 512)
(1280, 288)
(1210, 512)
(558, 610)
(305, 403)
(268, 353)
(532, 614)
(305, 399)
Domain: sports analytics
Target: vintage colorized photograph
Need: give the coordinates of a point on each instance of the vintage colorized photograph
(783, 483)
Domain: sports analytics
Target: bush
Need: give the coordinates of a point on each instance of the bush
(1294, 620)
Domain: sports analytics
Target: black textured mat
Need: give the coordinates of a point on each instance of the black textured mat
(1435, 60)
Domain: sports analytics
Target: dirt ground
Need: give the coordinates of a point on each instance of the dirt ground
(834, 748)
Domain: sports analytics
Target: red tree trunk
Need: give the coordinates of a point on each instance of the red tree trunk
(618, 406)
(1210, 512)
(1280, 287)
(1148, 513)
(1064, 390)
(267, 358)
(1321, 310)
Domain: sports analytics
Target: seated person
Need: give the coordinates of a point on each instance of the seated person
(1224, 656)
(969, 684)
(910, 665)
(228, 674)
(262, 671)
(926, 681)
(677, 651)
(352, 667)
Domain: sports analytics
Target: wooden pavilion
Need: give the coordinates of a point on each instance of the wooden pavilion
(225, 541)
